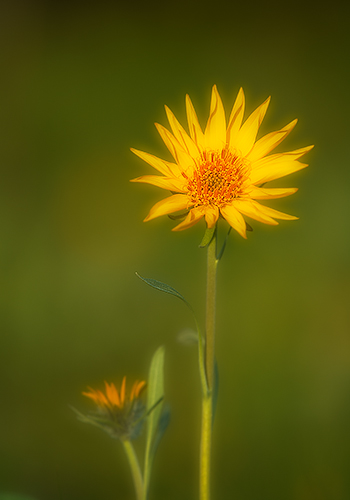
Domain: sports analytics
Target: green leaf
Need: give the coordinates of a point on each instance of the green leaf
(163, 287)
(163, 423)
(208, 236)
(221, 253)
(155, 391)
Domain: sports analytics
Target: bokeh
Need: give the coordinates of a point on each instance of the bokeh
(81, 84)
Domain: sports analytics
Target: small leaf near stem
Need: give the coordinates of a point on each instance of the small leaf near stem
(221, 253)
(208, 236)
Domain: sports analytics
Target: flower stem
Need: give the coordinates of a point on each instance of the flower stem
(212, 263)
(135, 469)
(204, 475)
(207, 401)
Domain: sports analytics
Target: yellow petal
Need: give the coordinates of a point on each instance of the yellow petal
(211, 216)
(236, 118)
(181, 135)
(193, 125)
(266, 194)
(215, 132)
(275, 169)
(162, 166)
(183, 159)
(267, 143)
(288, 155)
(270, 212)
(172, 184)
(247, 134)
(252, 209)
(235, 219)
(168, 205)
(192, 218)
(277, 165)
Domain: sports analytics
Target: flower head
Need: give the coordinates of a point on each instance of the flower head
(222, 170)
(119, 414)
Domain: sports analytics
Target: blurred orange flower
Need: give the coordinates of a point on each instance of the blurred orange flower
(118, 413)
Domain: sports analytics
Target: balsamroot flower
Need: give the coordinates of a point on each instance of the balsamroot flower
(118, 414)
(221, 171)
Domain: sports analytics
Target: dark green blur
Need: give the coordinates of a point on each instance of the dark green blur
(81, 84)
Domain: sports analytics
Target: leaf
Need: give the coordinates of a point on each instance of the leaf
(163, 287)
(155, 391)
(163, 423)
(208, 236)
(221, 253)
(149, 410)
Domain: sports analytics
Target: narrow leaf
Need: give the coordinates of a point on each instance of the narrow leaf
(155, 392)
(221, 253)
(163, 423)
(163, 287)
(149, 410)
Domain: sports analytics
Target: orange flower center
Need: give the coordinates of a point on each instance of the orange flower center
(218, 178)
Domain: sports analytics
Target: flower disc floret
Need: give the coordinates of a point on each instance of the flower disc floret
(219, 178)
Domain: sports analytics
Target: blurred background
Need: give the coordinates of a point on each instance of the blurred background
(81, 84)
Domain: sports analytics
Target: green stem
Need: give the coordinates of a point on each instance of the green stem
(212, 263)
(204, 474)
(207, 401)
(135, 469)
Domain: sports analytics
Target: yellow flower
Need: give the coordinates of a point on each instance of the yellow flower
(221, 171)
(119, 414)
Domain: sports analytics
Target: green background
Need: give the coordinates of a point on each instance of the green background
(81, 84)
